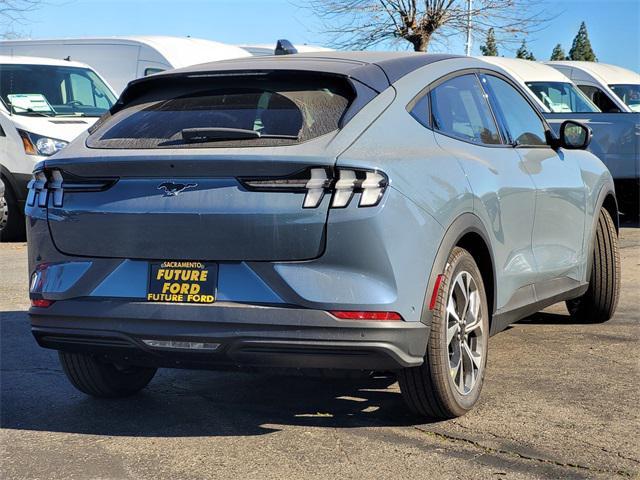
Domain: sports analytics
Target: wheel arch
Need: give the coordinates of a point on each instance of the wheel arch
(610, 203)
(607, 200)
(466, 231)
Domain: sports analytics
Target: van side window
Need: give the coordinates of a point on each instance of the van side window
(459, 109)
(2, 134)
(601, 99)
(151, 71)
(523, 124)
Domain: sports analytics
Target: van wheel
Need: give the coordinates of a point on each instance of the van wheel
(14, 228)
(104, 380)
(449, 381)
(599, 302)
(4, 210)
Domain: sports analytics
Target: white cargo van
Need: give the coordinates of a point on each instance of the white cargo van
(122, 59)
(44, 104)
(612, 88)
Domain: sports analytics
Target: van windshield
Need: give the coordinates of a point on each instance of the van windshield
(629, 94)
(53, 91)
(562, 97)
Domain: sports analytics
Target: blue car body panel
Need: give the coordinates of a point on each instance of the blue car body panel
(282, 268)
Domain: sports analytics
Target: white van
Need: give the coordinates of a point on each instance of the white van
(611, 88)
(44, 104)
(122, 59)
(554, 92)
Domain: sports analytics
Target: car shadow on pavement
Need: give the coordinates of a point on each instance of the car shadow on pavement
(547, 318)
(35, 395)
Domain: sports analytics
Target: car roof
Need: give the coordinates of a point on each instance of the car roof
(527, 70)
(603, 72)
(376, 69)
(19, 60)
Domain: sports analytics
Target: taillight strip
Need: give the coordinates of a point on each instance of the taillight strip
(341, 183)
(56, 182)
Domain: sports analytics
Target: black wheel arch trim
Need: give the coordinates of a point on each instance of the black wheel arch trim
(607, 190)
(16, 182)
(464, 224)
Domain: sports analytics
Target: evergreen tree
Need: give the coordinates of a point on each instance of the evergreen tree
(524, 53)
(581, 48)
(490, 49)
(558, 53)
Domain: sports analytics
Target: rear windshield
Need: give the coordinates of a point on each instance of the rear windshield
(228, 111)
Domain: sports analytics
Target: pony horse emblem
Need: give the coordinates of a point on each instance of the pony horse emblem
(173, 189)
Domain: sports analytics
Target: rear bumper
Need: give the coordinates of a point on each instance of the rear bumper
(247, 336)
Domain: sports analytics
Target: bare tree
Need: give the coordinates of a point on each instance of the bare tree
(361, 24)
(14, 13)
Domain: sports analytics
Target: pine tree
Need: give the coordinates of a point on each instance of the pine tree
(490, 49)
(524, 53)
(581, 48)
(558, 53)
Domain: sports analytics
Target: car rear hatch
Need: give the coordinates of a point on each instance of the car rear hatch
(224, 169)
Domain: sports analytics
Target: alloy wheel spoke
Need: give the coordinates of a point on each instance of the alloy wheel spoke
(451, 309)
(475, 358)
(463, 298)
(461, 372)
(452, 331)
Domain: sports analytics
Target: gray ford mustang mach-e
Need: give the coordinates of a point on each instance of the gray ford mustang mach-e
(358, 211)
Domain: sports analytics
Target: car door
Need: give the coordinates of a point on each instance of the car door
(558, 227)
(504, 194)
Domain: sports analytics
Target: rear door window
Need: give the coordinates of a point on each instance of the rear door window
(459, 109)
(524, 126)
(247, 111)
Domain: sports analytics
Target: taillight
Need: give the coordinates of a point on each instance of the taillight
(41, 302)
(315, 183)
(358, 315)
(56, 182)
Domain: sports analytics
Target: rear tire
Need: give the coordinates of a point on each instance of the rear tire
(14, 229)
(449, 382)
(104, 380)
(599, 302)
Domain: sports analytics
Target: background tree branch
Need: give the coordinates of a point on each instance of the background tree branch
(362, 24)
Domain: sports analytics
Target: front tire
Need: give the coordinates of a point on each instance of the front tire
(599, 302)
(103, 380)
(449, 382)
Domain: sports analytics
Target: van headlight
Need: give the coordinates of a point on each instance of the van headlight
(35, 144)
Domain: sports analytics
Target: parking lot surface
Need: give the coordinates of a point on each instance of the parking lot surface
(560, 400)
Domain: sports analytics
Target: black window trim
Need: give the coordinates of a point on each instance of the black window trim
(500, 121)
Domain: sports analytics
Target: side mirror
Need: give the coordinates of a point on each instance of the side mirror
(574, 135)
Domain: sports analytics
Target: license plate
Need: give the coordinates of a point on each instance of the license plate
(182, 282)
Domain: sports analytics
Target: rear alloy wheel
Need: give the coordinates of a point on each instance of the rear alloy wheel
(449, 381)
(599, 302)
(104, 380)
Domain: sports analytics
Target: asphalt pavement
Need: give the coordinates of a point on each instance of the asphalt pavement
(560, 400)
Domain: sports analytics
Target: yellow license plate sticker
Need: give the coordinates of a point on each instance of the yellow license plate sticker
(182, 282)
